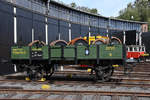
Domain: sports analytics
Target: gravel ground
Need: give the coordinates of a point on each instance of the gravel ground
(73, 97)
(19, 96)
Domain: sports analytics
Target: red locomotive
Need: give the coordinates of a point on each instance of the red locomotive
(136, 52)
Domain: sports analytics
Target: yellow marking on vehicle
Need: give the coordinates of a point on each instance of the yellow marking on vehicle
(42, 79)
(89, 70)
(115, 65)
(27, 79)
(110, 54)
(36, 49)
(17, 49)
(69, 75)
(93, 38)
(19, 52)
(146, 54)
(45, 87)
(102, 37)
(110, 48)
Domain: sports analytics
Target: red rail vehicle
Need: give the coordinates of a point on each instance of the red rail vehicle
(136, 53)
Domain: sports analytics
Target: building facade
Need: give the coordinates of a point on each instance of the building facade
(66, 22)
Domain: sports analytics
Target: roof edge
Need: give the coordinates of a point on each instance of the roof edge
(67, 6)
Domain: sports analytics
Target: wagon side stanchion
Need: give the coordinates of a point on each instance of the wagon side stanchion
(76, 61)
(50, 66)
(97, 47)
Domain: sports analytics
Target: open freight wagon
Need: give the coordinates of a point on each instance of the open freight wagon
(39, 60)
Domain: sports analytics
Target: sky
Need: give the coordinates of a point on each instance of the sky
(107, 8)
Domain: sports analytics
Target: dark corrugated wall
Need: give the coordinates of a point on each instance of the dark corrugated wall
(75, 30)
(6, 35)
(64, 30)
(39, 27)
(118, 34)
(24, 26)
(52, 30)
(146, 41)
(84, 30)
(94, 31)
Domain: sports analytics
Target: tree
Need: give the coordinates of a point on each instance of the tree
(86, 9)
(140, 9)
(94, 11)
(73, 5)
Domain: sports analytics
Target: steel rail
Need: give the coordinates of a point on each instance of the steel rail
(22, 99)
(75, 92)
(114, 84)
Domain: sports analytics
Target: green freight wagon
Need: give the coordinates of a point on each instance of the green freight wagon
(42, 59)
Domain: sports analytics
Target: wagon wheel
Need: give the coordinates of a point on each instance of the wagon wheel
(37, 43)
(115, 40)
(78, 41)
(98, 42)
(32, 74)
(35, 72)
(49, 71)
(42, 72)
(58, 42)
(103, 73)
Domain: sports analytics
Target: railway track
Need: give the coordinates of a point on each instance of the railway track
(135, 86)
(117, 77)
(64, 94)
(61, 83)
(122, 82)
(74, 92)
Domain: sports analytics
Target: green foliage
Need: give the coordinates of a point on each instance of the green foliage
(73, 5)
(138, 11)
(94, 11)
(86, 9)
